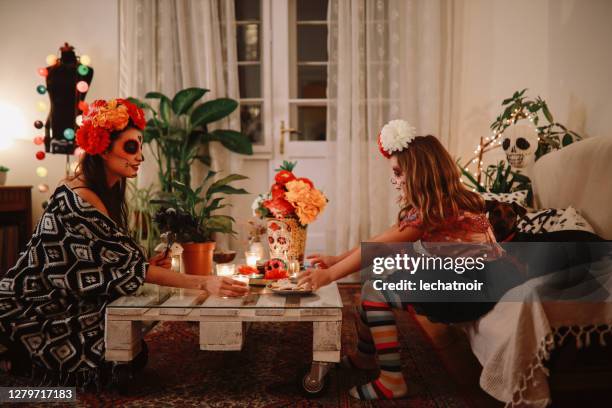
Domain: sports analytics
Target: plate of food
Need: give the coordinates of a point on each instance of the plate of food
(287, 287)
(273, 270)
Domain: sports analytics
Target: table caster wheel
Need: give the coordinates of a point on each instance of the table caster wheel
(140, 362)
(121, 377)
(313, 387)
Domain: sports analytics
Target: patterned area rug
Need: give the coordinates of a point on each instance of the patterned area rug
(267, 371)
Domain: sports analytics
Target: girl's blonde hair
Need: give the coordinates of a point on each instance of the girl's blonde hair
(433, 186)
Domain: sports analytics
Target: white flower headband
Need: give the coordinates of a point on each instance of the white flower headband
(395, 136)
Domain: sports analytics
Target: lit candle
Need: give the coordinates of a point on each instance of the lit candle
(176, 264)
(226, 269)
(293, 267)
(241, 278)
(251, 258)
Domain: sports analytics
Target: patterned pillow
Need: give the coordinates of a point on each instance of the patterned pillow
(553, 219)
(519, 197)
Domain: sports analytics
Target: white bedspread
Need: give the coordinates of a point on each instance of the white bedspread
(513, 341)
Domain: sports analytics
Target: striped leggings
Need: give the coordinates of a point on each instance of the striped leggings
(376, 312)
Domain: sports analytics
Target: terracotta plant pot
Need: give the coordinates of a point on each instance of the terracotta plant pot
(2, 178)
(198, 258)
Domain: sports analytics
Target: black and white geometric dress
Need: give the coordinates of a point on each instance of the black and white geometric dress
(52, 302)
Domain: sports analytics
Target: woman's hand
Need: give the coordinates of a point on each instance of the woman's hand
(315, 278)
(162, 259)
(221, 285)
(323, 261)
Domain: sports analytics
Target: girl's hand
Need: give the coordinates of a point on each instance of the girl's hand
(161, 259)
(322, 261)
(315, 278)
(221, 285)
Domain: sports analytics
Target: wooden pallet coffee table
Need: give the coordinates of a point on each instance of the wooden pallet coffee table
(224, 322)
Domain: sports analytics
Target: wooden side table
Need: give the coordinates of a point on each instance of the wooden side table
(15, 210)
(223, 323)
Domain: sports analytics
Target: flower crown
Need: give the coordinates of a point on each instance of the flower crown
(101, 118)
(395, 137)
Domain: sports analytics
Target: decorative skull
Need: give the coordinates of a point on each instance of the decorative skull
(279, 235)
(520, 143)
(275, 268)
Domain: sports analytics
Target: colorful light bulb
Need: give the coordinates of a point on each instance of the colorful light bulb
(38, 124)
(43, 188)
(83, 70)
(41, 171)
(79, 120)
(82, 86)
(40, 155)
(83, 106)
(85, 60)
(69, 133)
(51, 59)
(43, 72)
(41, 89)
(41, 106)
(38, 140)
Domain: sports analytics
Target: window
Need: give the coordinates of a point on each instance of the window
(308, 69)
(249, 50)
(282, 45)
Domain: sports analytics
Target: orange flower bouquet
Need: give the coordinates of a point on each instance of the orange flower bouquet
(292, 197)
(290, 206)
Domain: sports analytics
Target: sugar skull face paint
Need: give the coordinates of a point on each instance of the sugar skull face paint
(125, 154)
(398, 178)
(131, 146)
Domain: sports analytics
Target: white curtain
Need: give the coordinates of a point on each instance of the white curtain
(389, 59)
(168, 45)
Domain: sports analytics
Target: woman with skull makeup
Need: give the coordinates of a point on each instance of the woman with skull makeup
(435, 208)
(81, 257)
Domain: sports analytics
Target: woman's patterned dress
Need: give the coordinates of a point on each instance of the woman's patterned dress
(52, 302)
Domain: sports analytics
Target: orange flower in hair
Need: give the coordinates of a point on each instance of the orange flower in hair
(93, 140)
(101, 118)
(136, 114)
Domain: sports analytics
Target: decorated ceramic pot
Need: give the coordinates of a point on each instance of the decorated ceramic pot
(286, 238)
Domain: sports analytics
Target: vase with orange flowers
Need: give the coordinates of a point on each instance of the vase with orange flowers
(290, 206)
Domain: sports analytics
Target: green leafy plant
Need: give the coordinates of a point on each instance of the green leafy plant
(498, 178)
(552, 135)
(179, 128)
(188, 214)
(142, 228)
(4, 169)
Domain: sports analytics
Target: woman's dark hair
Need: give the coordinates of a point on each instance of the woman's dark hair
(91, 167)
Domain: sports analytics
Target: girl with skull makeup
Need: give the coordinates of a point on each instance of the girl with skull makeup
(435, 207)
(81, 258)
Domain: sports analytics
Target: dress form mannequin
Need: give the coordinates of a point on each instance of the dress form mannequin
(64, 97)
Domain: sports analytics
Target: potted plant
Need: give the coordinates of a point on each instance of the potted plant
(188, 216)
(292, 204)
(3, 171)
(142, 228)
(180, 129)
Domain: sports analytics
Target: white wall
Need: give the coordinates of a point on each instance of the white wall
(30, 30)
(559, 49)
